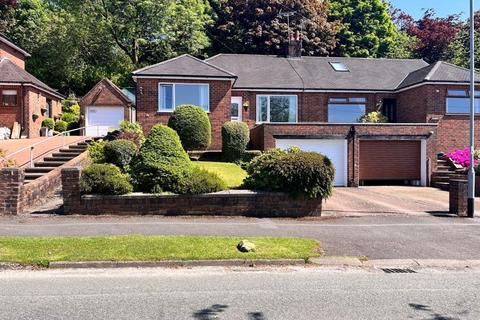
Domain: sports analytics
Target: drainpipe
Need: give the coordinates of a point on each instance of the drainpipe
(352, 133)
(22, 108)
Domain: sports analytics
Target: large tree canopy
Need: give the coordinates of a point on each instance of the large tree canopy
(459, 49)
(257, 26)
(367, 28)
(434, 34)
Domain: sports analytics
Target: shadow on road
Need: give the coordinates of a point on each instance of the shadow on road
(210, 313)
(431, 315)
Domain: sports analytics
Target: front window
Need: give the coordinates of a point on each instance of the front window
(277, 108)
(9, 98)
(172, 95)
(458, 101)
(346, 110)
(49, 108)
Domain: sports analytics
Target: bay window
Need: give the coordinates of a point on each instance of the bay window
(9, 98)
(277, 108)
(346, 110)
(171, 95)
(458, 101)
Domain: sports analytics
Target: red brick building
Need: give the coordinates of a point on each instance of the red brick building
(23, 98)
(316, 102)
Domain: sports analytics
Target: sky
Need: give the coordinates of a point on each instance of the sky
(442, 7)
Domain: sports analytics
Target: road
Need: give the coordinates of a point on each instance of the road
(238, 294)
(380, 237)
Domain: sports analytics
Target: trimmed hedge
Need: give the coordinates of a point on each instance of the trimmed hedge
(120, 153)
(104, 179)
(193, 127)
(235, 138)
(161, 163)
(201, 181)
(302, 174)
(48, 123)
(61, 126)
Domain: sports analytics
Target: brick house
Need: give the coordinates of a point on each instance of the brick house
(23, 98)
(104, 107)
(315, 103)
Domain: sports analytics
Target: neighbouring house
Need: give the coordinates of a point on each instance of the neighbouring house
(24, 99)
(315, 103)
(105, 106)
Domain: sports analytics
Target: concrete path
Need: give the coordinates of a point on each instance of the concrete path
(381, 237)
(205, 294)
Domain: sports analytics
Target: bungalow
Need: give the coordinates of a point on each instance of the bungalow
(315, 103)
(23, 98)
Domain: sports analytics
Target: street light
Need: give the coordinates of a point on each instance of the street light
(471, 171)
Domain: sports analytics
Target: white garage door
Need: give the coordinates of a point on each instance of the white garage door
(335, 150)
(100, 120)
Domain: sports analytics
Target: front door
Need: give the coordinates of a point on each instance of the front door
(236, 109)
(389, 109)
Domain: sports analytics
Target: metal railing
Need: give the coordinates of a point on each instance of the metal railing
(32, 147)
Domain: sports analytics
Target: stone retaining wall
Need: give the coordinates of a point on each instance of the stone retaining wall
(228, 203)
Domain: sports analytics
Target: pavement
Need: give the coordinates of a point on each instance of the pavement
(219, 293)
(377, 237)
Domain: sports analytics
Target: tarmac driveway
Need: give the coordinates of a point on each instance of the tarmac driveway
(383, 200)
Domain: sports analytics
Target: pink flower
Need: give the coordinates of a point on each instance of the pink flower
(462, 157)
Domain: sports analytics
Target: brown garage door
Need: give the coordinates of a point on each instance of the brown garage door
(390, 160)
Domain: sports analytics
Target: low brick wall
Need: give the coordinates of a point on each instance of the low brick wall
(228, 203)
(458, 197)
(16, 196)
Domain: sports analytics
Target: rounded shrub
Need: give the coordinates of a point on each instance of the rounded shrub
(193, 127)
(104, 179)
(374, 117)
(96, 151)
(61, 126)
(302, 174)
(120, 153)
(235, 138)
(70, 117)
(48, 123)
(201, 181)
(161, 163)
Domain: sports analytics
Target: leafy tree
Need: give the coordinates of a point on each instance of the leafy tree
(150, 31)
(434, 34)
(459, 49)
(367, 28)
(256, 26)
(7, 8)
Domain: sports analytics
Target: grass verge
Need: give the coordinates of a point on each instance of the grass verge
(231, 173)
(42, 251)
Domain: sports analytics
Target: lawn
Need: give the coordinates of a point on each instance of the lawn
(41, 251)
(231, 173)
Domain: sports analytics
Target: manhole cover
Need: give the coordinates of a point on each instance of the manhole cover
(398, 270)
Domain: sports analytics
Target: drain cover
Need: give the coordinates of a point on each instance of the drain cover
(397, 270)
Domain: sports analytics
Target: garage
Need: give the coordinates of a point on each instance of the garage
(392, 160)
(335, 149)
(100, 120)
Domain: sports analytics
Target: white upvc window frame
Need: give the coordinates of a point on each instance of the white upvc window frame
(173, 84)
(268, 96)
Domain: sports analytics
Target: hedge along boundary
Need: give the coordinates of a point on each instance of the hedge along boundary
(225, 203)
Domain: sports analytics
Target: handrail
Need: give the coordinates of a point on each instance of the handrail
(32, 147)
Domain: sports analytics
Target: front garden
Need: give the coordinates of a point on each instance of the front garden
(127, 161)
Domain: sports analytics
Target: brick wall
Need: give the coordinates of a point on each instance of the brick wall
(34, 101)
(11, 182)
(12, 55)
(147, 105)
(10, 115)
(229, 203)
(458, 197)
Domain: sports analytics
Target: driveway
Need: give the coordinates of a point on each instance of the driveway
(381, 200)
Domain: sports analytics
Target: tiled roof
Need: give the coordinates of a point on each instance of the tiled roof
(14, 46)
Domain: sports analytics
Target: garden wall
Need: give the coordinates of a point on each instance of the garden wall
(228, 203)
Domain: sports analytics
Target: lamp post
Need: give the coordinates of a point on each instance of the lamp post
(471, 170)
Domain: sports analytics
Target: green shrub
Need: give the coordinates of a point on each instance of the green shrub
(235, 137)
(61, 126)
(48, 123)
(193, 127)
(304, 174)
(120, 153)
(161, 163)
(70, 117)
(132, 131)
(96, 151)
(248, 155)
(201, 181)
(128, 126)
(373, 117)
(104, 179)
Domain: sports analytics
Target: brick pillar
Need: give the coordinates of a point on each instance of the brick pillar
(11, 184)
(71, 190)
(458, 197)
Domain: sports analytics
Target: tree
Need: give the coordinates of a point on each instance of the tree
(367, 28)
(7, 8)
(150, 31)
(434, 34)
(256, 26)
(459, 49)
